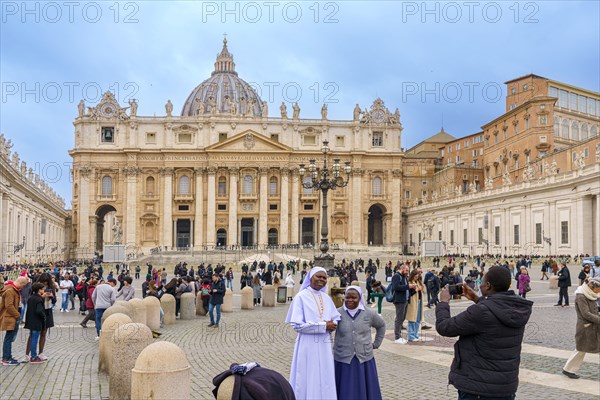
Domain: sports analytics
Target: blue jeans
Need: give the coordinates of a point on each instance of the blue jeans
(211, 307)
(99, 314)
(9, 338)
(23, 309)
(65, 301)
(35, 337)
(469, 396)
(230, 284)
(413, 327)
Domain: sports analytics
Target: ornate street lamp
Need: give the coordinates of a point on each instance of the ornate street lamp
(325, 179)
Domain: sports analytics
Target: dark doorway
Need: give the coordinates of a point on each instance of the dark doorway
(221, 237)
(376, 225)
(308, 231)
(273, 236)
(183, 232)
(247, 231)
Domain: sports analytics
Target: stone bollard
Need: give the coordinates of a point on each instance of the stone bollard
(226, 388)
(139, 311)
(159, 363)
(247, 298)
(152, 312)
(167, 302)
(268, 296)
(188, 308)
(112, 323)
(127, 305)
(553, 282)
(227, 301)
(128, 342)
(115, 309)
(200, 305)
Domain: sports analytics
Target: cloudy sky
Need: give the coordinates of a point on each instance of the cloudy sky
(435, 61)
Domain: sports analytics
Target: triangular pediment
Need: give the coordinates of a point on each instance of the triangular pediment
(249, 141)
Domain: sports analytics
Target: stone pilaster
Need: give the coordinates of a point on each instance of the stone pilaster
(232, 236)
(210, 207)
(262, 222)
(283, 219)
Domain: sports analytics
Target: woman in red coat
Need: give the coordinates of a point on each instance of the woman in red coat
(89, 304)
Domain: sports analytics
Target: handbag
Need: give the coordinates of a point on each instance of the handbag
(527, 288)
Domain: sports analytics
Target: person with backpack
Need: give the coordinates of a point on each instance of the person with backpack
(217, 291)
(182, 287)
(137, 271)
(35, 319)
(81, 293)
(127, 292)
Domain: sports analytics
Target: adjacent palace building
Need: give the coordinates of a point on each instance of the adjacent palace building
(33, 219)
(225, 172)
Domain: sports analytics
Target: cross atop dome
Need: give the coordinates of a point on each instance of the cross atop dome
(224, 63)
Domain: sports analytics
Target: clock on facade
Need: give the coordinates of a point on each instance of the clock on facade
(378, 116)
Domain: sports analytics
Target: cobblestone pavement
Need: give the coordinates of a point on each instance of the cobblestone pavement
(415, 371)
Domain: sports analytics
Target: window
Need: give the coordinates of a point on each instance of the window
(581, 106)
(275, 137)
(247, 184)
(308, 207)
(424, 193)
(564, 132)
(419, 238)
(452, 237)
(151, 137)
(439, 235)
(410, 239)
(339, 141)
(183, 186)
(273, 186)
(556, 127)
(495, 139)
(465, 233)
(424, 183)
(442, 152)
(184, 208)
(185, 138)
(474, 152)
(376, 186)
(108, 134)
(307, 180)
(467, 143)
(516, 234)
(222, 207)
(504, 134)
(457, 146)
(563, 98)
(222, 186)
(513, 91)
(377, 139)
(480, 235)
(457, 159)
(273, 207)
(150, 189)
(584, 131)
(407, 194)
(513, 106)
(497, 235)
(538, 233)
(449, 149)
(543, 139)
(525, 87)
(107, 188)
(310, 140)
(542, 106)
(574, 131)
(564, 232)
(222, 136)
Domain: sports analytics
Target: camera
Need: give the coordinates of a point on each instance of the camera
(455, 290)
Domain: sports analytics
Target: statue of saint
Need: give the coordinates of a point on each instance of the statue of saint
(553, 168)
(232, 106)
(296, 113)
(212, 102)
(250, 107)
(265, 109)
(199, 107)
(357, 112)
(283, 110)
(324, 111)
(133, 104)
(169, 108)
(81, 108)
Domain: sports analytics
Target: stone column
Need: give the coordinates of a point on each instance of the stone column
(167, 239)
(131, 209)
(295, 203)
(552, 230)
(92, 220)
(262, 224)
(232, 237)
(396, 195)
(210, 208)
(284, 212)
(85, 175)
(356, 216)
(199, 208)
(596, 226)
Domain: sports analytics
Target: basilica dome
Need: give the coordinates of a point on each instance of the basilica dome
(224, 92)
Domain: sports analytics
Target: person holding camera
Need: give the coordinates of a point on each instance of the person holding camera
(496, 321)
(402, 292)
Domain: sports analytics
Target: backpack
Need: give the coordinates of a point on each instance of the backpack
(187, 289)
(390, 293)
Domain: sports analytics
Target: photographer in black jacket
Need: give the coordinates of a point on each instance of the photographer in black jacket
(488, 352)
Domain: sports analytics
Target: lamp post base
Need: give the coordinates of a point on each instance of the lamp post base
(325, 260)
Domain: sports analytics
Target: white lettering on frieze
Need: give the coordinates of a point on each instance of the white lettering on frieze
(168, 158)
(245, 157)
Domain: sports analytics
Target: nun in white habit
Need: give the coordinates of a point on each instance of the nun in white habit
(313, 315)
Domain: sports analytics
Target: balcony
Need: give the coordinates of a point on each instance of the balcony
(184, 197)
(378, 197)
(106, 197)
(314, 196)
(150, 197)
(248, 196)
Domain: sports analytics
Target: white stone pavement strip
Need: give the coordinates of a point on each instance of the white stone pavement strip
(435, 355)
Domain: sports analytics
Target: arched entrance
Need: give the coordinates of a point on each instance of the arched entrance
(375, 236)
(221, 237)
(105, 216)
